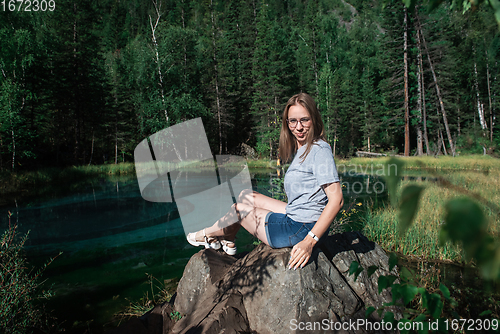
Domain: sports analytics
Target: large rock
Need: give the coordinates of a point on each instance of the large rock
(257, 293)
(203, 270)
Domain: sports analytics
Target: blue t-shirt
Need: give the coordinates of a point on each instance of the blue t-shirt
(303, 181)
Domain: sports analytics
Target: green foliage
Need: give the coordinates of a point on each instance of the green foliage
(86, 82)
(159, 293)
(467, 5)
(408, 206)
(473, 141)
(355, 269)
(278, 189)
(176, 316)
(392, 172)
(20, 287)
(465, 223)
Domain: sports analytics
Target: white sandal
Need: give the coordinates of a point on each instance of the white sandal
(230, 250)
(208, 242)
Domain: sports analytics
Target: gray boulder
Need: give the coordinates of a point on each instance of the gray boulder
(257, 293)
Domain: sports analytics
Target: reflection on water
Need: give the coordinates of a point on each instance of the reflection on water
(104, 216)
(111, 239)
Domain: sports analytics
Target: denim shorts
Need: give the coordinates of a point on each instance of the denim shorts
(282, 231)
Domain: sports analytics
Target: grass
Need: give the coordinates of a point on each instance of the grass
(421, 240)
(484, 163)
(160, 292)
(443, 179)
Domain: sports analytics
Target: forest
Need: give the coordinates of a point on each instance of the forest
(86, 82)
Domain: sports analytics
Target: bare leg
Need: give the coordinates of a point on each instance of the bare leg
(261, 201)
(250, 212)
(253, 222)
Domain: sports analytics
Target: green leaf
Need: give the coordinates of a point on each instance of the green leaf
(495, 4)
(435, 305)
(424, 329)
(408, 206)
(404, 321)
(487, 312)
(393, 170)
(369, 311)
(425, 297)
(385, 282)
(355, 269)
(419, 318)
(464, 222)
(371, 270)
(433, 4)
(406, 274)
(408, 292)
(409, 3)
(389, 317)
(445, 291)
(396, 293)
(393, 260)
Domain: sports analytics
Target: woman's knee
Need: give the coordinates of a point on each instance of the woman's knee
(246, 196)
(242, 210)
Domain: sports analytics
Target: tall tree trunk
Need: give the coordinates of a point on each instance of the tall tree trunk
(424, 107)
(157, 55)
(216, 83)
(442, 141)
(419, 104)
(421, 99)
(184, 44)
(438, 144)
(424, 117)
(315, 65)
(438, 92)
(406, 103)
(480, 106)
(77, 90)
(489, 97)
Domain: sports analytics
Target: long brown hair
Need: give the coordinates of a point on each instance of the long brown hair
(288, 142)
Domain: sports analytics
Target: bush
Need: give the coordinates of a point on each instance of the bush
(20, 292)
(475, 142)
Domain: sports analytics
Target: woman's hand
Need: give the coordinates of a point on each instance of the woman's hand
(301, 253)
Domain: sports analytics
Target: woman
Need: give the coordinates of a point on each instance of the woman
(311, 184)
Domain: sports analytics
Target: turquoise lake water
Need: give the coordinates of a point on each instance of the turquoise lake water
(113, 242)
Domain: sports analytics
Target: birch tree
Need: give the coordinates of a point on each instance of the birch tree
(154, 27)
(438, 92)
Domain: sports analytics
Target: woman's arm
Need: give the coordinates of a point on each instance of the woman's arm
(301, 252)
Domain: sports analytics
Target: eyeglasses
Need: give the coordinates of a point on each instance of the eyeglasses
(304, 121)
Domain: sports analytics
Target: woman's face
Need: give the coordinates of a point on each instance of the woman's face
(299, 123)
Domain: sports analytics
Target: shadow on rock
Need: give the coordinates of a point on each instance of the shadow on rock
(257, 293)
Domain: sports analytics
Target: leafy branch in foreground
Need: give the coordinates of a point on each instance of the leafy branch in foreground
(465, 223)
(19, 286)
